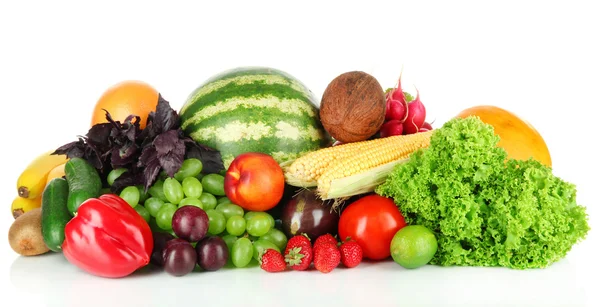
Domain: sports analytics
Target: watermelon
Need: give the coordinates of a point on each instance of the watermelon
(254, 109)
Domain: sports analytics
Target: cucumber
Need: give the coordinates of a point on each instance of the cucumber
(84, 183)
(76, 198)
(55, 214)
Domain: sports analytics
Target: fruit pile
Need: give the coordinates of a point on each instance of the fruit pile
(251, 172)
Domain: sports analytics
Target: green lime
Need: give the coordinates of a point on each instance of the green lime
(413, 246)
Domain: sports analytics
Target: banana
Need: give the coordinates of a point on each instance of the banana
(21, 205)
(32, 181)
(56, 172)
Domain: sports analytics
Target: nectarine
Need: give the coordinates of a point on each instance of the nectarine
(254, 181)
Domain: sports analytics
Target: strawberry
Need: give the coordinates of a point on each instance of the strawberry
(298, 240)
(326, 258)
(351, 254)
(325, 239)
(272, 261)
(298, 253)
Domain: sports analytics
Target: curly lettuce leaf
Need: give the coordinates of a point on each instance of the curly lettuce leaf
(407, 95)
(486, 209)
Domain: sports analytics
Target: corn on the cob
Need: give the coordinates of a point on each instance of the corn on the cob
(305, 170)
(353, 168)
(396, 148)
(360, 183)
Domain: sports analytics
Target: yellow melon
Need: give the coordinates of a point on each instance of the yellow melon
(518, 137)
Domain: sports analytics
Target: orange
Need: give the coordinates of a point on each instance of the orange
(126, 98)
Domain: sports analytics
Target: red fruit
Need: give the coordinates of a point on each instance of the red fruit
(327, 257)
(390, 128)
(325, 239)
(254, 181)
(272, 261)
(372, 221)
(351, 254)
(298, 240)
(298, 253)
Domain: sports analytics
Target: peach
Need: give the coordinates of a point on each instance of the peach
(254, 181)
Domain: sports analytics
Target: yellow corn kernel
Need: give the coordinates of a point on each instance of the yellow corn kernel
(305, 171)
(393, 149)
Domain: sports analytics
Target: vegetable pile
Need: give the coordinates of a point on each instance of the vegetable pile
(247, 174)
(485, 211)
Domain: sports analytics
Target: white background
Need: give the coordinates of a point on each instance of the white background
(537, 59)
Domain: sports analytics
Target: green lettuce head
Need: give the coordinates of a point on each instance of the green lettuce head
(486, 209)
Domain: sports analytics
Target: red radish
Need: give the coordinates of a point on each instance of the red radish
(422, 129)
(396, 105)
(416, 116)
(397, 93)
(395, 109)
(390, 128)
(427, 126)
(336, 143)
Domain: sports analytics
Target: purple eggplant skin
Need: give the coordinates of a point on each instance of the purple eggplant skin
(306, 214)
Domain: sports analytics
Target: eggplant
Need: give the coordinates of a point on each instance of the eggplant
(307, 214)
(288, 193)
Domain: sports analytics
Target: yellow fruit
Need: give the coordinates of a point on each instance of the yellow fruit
(518, 137)
(56, 172)
(21, 205)
(32, 181)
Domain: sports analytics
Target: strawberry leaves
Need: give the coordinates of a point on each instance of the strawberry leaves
(294, 256)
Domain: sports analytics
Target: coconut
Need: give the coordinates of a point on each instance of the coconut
(353, 107)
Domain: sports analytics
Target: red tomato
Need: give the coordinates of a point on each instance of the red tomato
(372, 221)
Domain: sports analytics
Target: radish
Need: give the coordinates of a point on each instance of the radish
(396, 105)
(427, 126)
(390, 128)
(395, 109)
(416, 116)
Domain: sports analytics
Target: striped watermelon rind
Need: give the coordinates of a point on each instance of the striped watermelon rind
(254, 109)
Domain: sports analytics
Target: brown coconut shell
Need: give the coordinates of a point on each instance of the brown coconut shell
(353, 107)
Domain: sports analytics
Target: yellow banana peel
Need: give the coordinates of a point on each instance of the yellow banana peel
(56, 172)
(32, 181)
(21, 205)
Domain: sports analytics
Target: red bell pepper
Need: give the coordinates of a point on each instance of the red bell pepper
(108, 238)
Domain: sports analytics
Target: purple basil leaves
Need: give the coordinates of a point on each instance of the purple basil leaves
(161, 145)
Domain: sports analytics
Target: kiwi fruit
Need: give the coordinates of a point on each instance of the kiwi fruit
(25, 234)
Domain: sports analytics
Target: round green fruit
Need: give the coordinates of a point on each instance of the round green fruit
(413, 246)
(254, 109)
